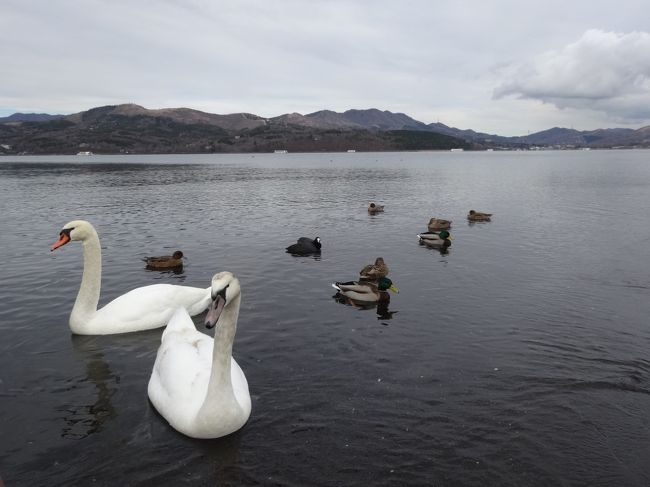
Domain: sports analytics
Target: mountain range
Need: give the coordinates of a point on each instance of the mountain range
(130, 128)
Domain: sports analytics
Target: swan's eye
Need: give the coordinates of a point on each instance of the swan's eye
(66, 232)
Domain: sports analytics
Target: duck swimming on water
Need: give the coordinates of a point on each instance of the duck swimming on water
(305, 246)
(142, 308)
(366, 291)
(375, 208)
(436, 224)
(165, 261)
(441, 239)
(477, 216)
(374, 271)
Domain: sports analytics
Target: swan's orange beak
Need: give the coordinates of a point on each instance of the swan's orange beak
(64, 238)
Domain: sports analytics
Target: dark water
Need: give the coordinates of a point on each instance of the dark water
(520, 358)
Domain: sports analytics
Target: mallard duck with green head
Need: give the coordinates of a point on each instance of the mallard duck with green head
(366, 291)
(441, 239)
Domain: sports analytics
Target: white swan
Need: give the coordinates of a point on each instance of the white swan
(196, 384)
(142, 308)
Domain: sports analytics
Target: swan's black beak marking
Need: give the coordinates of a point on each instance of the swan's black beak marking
(64, 238)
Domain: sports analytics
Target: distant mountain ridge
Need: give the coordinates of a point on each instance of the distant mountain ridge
(131, 128)
(614, 137)
(202, 131)
(29, 117)
(236, 121)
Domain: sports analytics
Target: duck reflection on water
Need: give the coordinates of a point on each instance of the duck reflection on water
(382, 306)
(178, 271)
(442, 249)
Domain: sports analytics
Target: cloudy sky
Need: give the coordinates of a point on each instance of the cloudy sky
(507, 67)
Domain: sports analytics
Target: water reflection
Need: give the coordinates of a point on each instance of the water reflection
(192, 458)
(227, 465)
(177, 271)
(441, 249)
(83, 420)
(513, 391)
(383, 313)
(381, 306)
(315, 256)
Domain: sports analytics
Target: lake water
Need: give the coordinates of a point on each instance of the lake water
(519, 358)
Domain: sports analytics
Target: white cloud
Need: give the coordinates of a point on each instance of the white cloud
(603, 71)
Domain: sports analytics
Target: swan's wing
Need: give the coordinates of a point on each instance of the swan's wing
(151, 306)
(180, 322)
(181, 373)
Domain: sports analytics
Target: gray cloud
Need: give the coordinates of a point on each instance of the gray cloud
(603, 71)
(432, 60)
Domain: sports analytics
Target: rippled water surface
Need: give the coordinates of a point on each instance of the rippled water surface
(520, 358)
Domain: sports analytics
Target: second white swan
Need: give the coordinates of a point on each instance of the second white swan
(196, 384)
(142, 308)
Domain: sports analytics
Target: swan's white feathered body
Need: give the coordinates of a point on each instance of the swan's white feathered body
(142, 308)
(196, 384)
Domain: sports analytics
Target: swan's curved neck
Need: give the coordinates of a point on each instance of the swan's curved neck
(88, 297)
(220, 386)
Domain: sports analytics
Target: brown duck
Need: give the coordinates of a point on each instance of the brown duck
(477, 216)
(165, 261)
(436, 224)
(374, 271)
